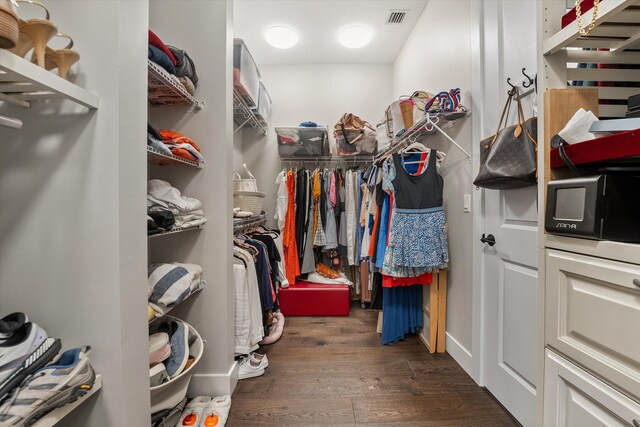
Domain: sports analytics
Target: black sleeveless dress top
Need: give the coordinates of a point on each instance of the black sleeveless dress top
(421, 191)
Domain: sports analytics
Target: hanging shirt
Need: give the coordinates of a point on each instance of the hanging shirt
(282, 200)
(289, 241)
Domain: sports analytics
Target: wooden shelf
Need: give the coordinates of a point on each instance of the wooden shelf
(165, 89)
(159, 158)
(613, 30)
(22, 82)
(54, 417)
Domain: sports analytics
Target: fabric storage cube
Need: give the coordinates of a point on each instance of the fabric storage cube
(263, 112)
(302, 141)
(367, 144)
(246, 76)
(169, 394)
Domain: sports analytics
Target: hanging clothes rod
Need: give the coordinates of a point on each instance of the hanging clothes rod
(243, 224)
(429, 123)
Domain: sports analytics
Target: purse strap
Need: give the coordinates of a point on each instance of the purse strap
(507, 105)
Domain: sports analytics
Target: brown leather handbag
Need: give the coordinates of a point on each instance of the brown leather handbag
(508, 159)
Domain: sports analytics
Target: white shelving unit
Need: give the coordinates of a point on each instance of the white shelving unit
(158, 158)
(603, 267)
(175, 230)
(243, 115)
(165, 89)
(22, 82)
(57, 415)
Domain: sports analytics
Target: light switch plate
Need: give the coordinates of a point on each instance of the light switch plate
(467, 203)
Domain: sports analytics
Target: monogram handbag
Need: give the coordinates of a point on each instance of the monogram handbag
(508, 159)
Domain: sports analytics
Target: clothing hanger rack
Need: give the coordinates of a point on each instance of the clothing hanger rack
(326, 160)
(242, 225)
(410, 136)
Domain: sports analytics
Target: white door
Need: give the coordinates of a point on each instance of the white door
(508, 365)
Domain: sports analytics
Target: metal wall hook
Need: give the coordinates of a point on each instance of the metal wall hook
(512, 92)
(530, 80)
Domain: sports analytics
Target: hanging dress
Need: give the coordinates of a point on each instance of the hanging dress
(291, 259)
(417, 238)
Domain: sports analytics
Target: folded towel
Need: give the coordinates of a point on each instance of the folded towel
(163, 194)
(184, 65)
(169, 284)
(161, 58)
(155, 41)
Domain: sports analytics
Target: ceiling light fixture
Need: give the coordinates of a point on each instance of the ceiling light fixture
(354, 37)
(281, 37)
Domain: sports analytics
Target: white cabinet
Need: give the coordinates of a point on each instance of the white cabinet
(593, 315)
(574, 398)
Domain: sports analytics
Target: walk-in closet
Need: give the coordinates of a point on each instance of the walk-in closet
(346, 213)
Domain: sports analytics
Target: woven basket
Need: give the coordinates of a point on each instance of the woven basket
(8, 28)
(250, 201)
(406, 107)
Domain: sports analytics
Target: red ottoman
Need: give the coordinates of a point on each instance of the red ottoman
(314, 299)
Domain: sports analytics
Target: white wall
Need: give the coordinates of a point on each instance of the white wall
(209, 43)
(72, 210)
(320, 93)
(436, 60)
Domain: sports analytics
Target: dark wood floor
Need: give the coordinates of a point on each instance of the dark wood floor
(333, 372)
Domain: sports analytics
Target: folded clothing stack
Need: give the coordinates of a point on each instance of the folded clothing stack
(164, 199)
(170, 143)
(175, 61)
(169, 284)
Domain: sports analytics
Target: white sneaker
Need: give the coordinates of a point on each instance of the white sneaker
(249, 368)
(260, 358)
(28, 350)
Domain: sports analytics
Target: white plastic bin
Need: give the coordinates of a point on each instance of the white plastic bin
(169, 394)
(246, 76)
(263, 112)
(302, 141)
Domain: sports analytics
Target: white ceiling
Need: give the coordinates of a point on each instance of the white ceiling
(317, 23)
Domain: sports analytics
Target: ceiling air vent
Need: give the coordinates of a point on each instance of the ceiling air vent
(396, 16)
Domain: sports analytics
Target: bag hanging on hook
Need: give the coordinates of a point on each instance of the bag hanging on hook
(508, 159)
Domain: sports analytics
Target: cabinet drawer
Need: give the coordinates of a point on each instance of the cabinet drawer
(574, 398)
(593, 315)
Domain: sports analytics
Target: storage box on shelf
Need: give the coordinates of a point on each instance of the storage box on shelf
(57, 415)
(165, 89)
(22, 82)
(158, 158)
(243, 115)
(263, 110)
(246, 76)
(302, 141)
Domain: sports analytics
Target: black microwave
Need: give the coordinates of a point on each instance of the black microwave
(601, 207)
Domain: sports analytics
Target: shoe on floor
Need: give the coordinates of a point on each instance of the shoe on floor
(217, 412)
(28, 350)
(261, 359)
(179, 342)
(66, 379)
(158, 375)
(193, 413)
(159, 348)
(249, 369)
(10, 323)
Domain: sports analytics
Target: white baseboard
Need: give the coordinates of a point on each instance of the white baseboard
(214, 384)
(424, 340)
(459, 354)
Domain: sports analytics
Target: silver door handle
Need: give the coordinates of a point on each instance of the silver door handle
(637, 283)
